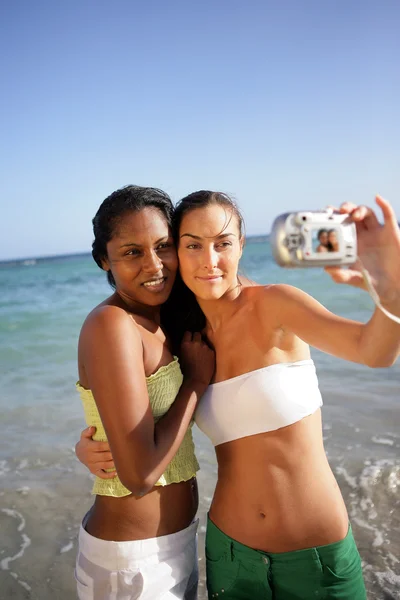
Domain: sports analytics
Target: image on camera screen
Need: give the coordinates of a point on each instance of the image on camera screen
(325, 240)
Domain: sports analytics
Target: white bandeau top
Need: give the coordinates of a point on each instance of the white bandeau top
(259, 401)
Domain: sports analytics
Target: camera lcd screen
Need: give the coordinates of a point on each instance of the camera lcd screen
(325, 240)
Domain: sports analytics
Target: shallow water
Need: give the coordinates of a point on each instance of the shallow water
(44, 492)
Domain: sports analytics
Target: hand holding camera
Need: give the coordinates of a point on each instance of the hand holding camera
(378, 251)
(314, 239)
(350, 236)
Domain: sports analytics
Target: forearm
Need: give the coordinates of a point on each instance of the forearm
(169, 432)
(379, 341)
(376, 343)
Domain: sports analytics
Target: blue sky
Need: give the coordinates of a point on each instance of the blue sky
(286, 105)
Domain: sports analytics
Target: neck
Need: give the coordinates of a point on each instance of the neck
(220, 311)
(153, 313)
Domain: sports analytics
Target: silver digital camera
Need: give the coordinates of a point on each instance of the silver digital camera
(314, 239)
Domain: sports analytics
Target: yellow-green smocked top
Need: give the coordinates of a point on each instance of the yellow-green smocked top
(163, 387)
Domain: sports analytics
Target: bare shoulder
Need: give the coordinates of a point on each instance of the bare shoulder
(108, 322)
(105, 314)
(281, 292)
(276, 301)
(271, 293)
(261, 301)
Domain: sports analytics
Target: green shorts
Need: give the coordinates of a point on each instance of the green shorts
(236, 571)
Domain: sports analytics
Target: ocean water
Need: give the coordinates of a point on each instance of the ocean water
(44, 491)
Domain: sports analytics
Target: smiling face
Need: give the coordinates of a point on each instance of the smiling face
(332, 239)
(323, 238)
(142, 257)
(209, 251)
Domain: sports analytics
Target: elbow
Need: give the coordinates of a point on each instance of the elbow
(380, 362)
(140, 477)
(138, 485)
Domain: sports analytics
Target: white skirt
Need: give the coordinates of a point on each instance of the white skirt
(161, 568)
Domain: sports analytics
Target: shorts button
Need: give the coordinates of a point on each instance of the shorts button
(265, 560)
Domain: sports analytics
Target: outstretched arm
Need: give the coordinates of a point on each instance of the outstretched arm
(376, 343)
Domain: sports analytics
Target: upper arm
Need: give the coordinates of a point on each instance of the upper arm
(112, 354)
(304, 316)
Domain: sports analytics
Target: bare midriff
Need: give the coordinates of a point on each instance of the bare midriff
(276, 491)
(164, 510)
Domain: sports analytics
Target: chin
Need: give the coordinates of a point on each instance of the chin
(156, 299)
(210, 294)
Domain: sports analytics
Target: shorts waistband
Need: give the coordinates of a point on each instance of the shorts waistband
(347, 544)
(119, 555)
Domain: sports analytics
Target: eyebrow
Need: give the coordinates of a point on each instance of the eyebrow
(163, 239)
(217, 237)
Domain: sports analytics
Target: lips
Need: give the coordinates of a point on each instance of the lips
(155, 285)
(210, 278)
(153, 282)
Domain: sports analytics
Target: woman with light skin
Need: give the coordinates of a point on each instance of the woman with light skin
(277, 527)
(139, 538)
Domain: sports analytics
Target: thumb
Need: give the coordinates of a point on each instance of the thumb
(388, 212)
(88, 432)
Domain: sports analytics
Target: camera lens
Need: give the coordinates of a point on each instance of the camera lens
(304, 218)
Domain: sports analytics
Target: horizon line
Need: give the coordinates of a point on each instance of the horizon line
(4, 261)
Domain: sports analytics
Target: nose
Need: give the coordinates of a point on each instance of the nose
(152, 263)
(210, 259)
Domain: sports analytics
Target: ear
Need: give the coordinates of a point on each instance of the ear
(105, 265)
(241, 242)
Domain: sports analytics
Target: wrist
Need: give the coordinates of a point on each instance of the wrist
(388, 290)
(392, 307)
(389, 296)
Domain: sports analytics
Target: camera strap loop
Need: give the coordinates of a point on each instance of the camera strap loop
(372, 292)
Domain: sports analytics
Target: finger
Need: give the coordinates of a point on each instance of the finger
(104, 465)
(197, 336)
(105, 475)
(347, 207)
(187, 336)
(88, 432)
(366, 217)
(387, 210)
(95, 446)
(102, 457)
(347, 276)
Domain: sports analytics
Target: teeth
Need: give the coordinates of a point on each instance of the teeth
(153, 283)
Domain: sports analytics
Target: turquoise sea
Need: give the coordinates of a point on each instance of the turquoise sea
(44, 491)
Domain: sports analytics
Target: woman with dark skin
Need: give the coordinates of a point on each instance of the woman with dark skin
(139, 538)
(278, 527)
(323, 241)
